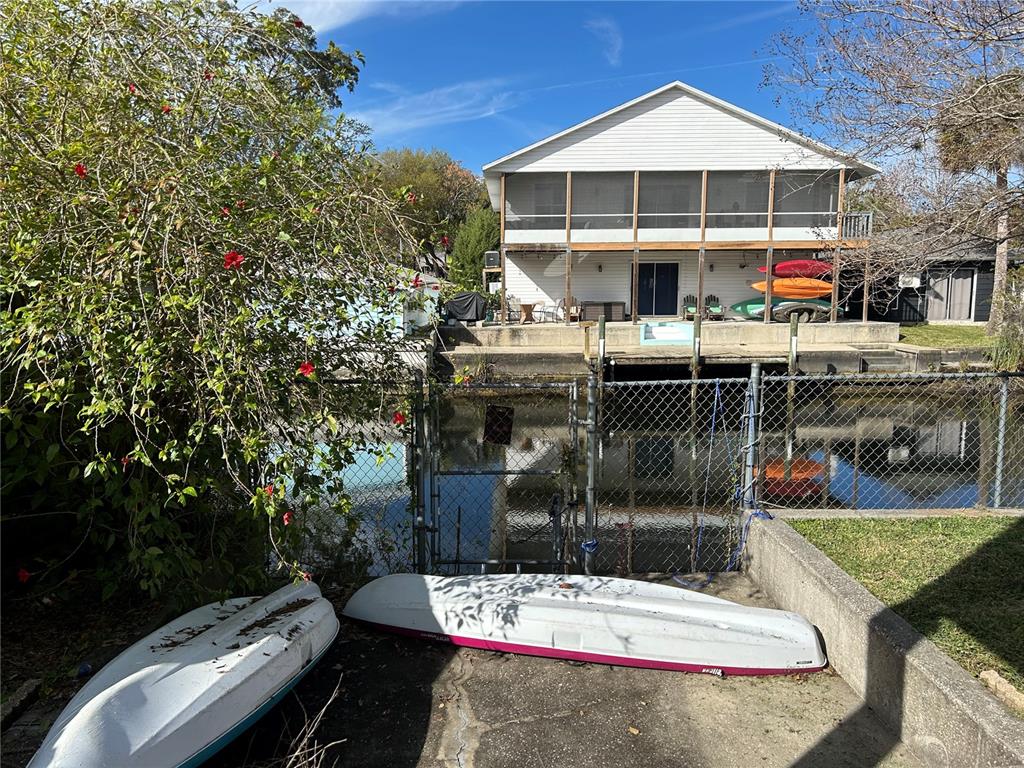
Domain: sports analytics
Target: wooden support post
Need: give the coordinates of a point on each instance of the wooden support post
(867, 291)
(568, 282)
(703, 206)
(771, 251)
(634, 283)
(636, 203)
(501, 240)
(568, 208)
(504, 302)
(834, 311)
(700, 287)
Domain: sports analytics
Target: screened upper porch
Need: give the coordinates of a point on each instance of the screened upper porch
(666, 206)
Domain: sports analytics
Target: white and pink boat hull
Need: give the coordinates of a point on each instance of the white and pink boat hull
(594, 619)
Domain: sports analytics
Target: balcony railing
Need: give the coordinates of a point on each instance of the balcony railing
(857, 225)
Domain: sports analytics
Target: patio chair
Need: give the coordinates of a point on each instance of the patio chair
(511, 308)
(550, 314)
(713, 309)
(689, 307)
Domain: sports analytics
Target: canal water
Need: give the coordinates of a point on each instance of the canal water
(669, 468)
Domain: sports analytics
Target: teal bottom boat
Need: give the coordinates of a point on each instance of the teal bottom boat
(807, 309)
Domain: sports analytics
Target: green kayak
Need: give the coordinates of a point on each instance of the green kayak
(754, 307)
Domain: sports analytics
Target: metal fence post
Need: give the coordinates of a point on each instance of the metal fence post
(419, 477)
(750, 461)
(1004, 393)
(591, 510)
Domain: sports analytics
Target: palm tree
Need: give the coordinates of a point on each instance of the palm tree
(982, 127)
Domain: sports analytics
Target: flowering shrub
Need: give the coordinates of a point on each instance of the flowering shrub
(166, 352)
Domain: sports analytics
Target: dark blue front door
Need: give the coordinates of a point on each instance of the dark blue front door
(658, 289)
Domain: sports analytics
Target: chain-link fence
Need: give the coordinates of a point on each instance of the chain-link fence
(670, 474)
(892, 441)
(502, 474)
(636, 477)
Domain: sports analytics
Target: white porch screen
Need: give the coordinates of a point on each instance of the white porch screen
(602, 200)
(535, 201)
(737, 199)
(806, 198)
(669, 199)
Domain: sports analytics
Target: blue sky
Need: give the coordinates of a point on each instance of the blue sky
(480, 79)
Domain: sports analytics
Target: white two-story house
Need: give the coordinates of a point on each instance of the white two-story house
(671, 197)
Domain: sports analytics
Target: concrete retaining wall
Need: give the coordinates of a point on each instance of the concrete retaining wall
(620, 335)
(940, 711)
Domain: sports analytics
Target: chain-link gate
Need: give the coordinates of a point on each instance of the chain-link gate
(500, 486)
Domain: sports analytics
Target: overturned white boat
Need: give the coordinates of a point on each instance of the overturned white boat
(185, 691)
(588, 618)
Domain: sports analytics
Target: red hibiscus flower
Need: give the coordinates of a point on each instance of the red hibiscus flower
(166, 109)
(411, 197)
(444, 241)
(287, 518)
(233, 260)
(398, 418)
(269, 489)
(298, 23)
(23, 575)
(306, 369)
(132, 89)
(80, 170)
(417, 282)
(306, 576)
(208, 74)
(225, 211)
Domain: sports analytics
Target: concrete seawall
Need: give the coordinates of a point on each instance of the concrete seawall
(940, 711)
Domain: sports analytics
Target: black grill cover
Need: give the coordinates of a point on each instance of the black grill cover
(467, 305)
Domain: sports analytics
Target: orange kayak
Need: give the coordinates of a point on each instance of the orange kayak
(800, 469)
(795, 287)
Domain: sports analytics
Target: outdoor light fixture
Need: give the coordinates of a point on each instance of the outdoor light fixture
(600, 268)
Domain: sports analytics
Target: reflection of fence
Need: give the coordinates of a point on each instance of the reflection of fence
(651, 476)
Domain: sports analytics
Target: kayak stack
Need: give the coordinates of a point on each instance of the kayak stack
(796, 287)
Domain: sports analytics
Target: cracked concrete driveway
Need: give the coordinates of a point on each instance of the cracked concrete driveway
(406, 703)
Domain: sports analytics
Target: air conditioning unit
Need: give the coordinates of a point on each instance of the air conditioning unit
(910, 281)
(492, 259)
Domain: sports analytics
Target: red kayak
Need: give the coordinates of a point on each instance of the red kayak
(799, 268)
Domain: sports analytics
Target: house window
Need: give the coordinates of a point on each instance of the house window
(602, 201)
(535, 201)
(737, 199)
(669, 200)
(806, 198)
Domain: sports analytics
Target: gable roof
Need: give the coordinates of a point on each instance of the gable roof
(862, 167)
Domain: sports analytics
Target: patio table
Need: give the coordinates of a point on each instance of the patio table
(526, 313)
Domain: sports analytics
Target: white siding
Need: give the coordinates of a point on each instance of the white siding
(531, 277)
(535, 277)
(671, 131)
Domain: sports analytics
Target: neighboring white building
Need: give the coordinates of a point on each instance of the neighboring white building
(673, 194)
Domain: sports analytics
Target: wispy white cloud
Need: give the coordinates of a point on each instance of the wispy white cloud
(457, 103)
(325, 15)
(771, 11)
(607, 31)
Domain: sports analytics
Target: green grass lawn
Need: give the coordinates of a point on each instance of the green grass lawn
(957, 580)
(946, 336)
